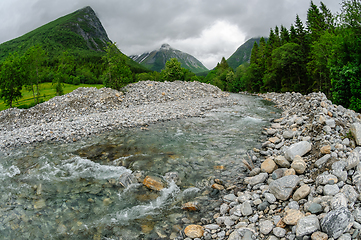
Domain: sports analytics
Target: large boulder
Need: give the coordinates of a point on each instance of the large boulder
(300, 148)
(283, 187)
(336, 222)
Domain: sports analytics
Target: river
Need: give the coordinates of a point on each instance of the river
(77, 190)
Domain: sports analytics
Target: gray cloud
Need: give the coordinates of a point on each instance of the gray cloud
(207, 29)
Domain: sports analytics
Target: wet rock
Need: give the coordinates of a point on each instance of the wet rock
(356, 132)
(260, 178)
(307, 225)
(301, 192)
(282, 188)
(194, 231)
(268, 166)
(218, 186)
(282, 162)
(292, 216)
(300, 148)
(153, 183)
(299, 165)
(336, 222)
(126, 179)
(266, 227)
(191, 206)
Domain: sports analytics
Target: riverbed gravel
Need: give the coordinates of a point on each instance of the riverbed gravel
(88, 111)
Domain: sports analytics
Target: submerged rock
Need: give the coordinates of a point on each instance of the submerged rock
(153, 183)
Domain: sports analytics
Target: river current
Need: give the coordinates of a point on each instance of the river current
(77, 190)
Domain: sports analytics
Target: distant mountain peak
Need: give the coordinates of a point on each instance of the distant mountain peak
(155, 60)
(165, 46)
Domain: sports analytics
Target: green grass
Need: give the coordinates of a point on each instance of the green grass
(47, 92)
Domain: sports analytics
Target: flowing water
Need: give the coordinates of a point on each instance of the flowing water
(87, 189)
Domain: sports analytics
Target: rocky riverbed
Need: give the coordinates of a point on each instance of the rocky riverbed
(88, 111)
(304, 183)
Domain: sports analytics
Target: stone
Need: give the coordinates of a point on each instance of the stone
(279, 232)
(282, 188)
(356, 132)
(301, 192)
(300, 148)
(274, 140)
(271, 131)
(270, 198)
(331, 123)
(336, 222)
(339, 200)
(350, 193)
(299, 165)
(268, 166)
(229, 197)
(325, 149)
(324, 179)
(307, 225)
(345, 236)
(292, 216)
(266, 227)
(330, 190)
(218, 186)
(194, 231)
(153, 183)
(211, 226)
(260, 178)
(315, 208)
(289, 172)
(263, 206)
(126, 179)
(357, 214)
(288, 134)
(191, 206)
(319, 236)
(353, 160)
(322, 160)
(282, 162)
(278, 173)
(246, 209)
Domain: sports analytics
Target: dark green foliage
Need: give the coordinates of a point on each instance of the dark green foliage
(12, 79)
(172, 71)
(117, 73)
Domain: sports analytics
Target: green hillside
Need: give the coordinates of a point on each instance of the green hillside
(80, 33)
(242, 54)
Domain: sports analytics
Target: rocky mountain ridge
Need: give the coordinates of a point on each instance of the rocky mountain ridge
(155, 60)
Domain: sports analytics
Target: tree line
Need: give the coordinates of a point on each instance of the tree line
(110, 69)
(324, 54)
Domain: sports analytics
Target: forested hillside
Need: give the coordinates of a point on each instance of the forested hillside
(322, 54)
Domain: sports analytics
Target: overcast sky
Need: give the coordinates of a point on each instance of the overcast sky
(206, 29)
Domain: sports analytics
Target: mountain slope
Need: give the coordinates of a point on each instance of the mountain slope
(155, 60)
(242, 54)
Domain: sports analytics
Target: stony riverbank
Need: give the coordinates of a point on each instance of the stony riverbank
(304, 183)
(88, 111)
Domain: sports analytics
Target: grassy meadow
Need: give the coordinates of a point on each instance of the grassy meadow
(47, 92)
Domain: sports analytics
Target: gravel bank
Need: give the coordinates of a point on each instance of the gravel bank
(306, 179)
(87, 111)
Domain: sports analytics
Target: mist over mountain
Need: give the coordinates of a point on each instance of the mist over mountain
(155, 60)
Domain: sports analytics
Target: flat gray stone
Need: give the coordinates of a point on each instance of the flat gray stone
(246, 209)
(300, 148)
(338, 201)
(282, 162)
(270, 197)
(322, 160)
(336, 222)
(350, 193)
(266, 227)
(356, 132)
(330, 190)
(307, 225)
(283, 187)
(353, 160)
(260, 178)
(279, 232)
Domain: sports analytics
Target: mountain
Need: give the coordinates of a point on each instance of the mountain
(242, 54)
(79, 33)
(155, 60)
